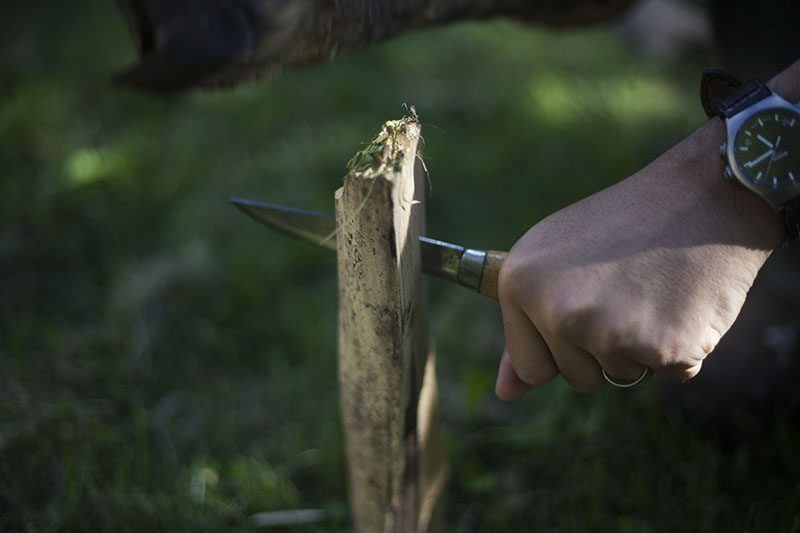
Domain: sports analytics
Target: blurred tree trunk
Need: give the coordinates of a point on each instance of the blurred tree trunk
(189, 43)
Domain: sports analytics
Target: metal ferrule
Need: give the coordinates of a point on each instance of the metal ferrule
(470, 268)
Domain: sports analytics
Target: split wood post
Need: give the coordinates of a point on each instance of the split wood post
(395, 462)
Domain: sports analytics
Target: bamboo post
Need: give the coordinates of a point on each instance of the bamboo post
(395, 463)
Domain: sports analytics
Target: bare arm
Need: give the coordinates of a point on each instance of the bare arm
(649, 272)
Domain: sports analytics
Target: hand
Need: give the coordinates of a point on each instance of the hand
(649, 272)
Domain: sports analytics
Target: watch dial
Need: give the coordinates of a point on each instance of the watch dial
(767, 148)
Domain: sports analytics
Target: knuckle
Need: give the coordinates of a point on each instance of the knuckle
(621, 335)
(515, 276)
(677, 362)
(657, 348)
(572, 317)
(679, 373)
(688, 373)
(667, 355)
(655, 355)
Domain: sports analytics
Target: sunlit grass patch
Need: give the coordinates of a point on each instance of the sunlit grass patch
(87, 165)
(566, 99)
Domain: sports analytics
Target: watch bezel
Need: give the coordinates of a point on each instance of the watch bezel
(775, 196)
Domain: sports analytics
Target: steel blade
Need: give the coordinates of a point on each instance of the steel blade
(439, 258)
(315, 228)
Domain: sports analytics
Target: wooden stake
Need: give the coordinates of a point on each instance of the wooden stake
(395, 467)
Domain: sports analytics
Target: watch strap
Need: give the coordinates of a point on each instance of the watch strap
(742, 98)
(716, 84)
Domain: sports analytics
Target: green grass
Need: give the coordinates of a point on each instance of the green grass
(167, 364)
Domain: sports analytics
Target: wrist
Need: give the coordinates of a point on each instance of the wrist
(743, 216)
(787, 83)
(756, 117)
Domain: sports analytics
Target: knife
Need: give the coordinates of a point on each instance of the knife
(475, 269)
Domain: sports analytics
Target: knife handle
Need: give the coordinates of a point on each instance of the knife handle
(491, 271)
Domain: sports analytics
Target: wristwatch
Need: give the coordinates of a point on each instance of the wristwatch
(762, 151)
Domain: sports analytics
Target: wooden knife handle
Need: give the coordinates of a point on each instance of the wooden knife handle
(491, 271)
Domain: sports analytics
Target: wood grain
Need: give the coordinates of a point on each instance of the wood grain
(394, 458)
(491, 273)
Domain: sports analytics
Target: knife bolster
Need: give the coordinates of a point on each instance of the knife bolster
(470, 269)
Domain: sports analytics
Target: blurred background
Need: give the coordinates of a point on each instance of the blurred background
(168, 364)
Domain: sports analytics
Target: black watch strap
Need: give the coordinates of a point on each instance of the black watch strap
(716, 84)
(742, 98)
(725, 95)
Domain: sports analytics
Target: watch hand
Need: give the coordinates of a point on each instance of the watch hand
(771, 159)
(759, 159)
(763, 140)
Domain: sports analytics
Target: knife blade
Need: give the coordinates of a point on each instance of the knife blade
(475, 269)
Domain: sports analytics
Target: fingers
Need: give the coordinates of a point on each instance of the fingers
(580, 368)
(679, 374)
(643, 377)
(677, 365)
(527, 353)
(532, 359)
(509, 387)
(528, 361)
(623, 369)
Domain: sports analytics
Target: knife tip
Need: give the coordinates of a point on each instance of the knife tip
(241, 203)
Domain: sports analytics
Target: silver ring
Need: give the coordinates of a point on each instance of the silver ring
(626, 385)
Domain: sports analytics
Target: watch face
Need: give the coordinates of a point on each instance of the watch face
(767, 148)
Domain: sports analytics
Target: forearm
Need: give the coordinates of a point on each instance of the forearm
(787, 83)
